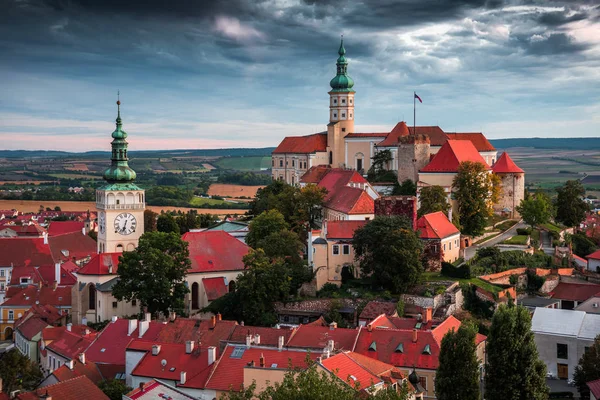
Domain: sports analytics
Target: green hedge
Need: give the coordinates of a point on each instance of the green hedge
(450, 270)
(524, 231)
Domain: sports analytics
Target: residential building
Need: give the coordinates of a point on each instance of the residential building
(120, 202)
(561, 337)
(62, 346)
(570, 295)
(154, 389)
(591, 305)
(237, 229)
(72, 369)
(317, 338)
(593, 261)
(375, 309)
(532, 302)
(442, 238)
(594, 387)
(512, 183)
(73, 389)
(28, 328)
(217, 260)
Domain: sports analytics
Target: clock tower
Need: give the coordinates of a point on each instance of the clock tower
(120, 202)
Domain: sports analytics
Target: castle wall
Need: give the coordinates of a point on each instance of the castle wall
(511, 193)
(413, 155)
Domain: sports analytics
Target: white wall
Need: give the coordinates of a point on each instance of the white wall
(547, 349)
(593, 264)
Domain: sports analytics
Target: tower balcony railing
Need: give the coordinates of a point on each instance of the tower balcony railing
(120, 206)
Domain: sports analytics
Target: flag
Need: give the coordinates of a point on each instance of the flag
(418, 98)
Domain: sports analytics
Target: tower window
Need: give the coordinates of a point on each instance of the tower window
(281, 163)
(343, 101)
(334, 115)
(343, 129)
(350, 101)
(334, 101)
(343, 115)
(350, 115)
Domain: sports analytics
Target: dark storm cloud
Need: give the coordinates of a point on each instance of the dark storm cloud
(557, 18)
(554, 44)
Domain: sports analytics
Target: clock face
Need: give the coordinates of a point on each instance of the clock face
(125, 224)
(101, 223)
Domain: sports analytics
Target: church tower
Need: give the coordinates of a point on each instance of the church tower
(341, 110)
(120, 202)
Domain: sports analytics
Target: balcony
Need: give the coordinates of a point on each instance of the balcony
(138, 206)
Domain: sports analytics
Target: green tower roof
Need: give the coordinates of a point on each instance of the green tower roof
(119, 173)
(342, 82)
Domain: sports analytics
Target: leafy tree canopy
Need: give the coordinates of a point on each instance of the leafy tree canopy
(389, 251)
(583, 246)
(536, 209)
(406, 188)
(267, 223)
(150, 218)
(154, 273)
(588, 369)
(18, 372)
(433, 199)
(166, 223)
(570, 207)
(114, 388)
(475, 190)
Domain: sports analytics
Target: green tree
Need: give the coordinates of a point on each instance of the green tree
(588, 369)
(583, 246)
(389, 251)
(475, 190)
(570, 207)
(114, 388)
(18, 372)
(379, 171)
(457, 376)
(433, 199)
(266, 223)
(514, 370)
(154, 273)
(93, 235)
(166, 224)
(535, 210)
(308, 206)
(150, 221)
(406, 188)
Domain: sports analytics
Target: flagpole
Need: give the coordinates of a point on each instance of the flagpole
(414, 113)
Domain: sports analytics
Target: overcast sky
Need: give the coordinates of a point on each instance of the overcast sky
(210, 74)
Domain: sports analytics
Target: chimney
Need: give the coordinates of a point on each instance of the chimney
(114, 318)
(172, 316)
(132, 325)
(326, 353)
(148, 317)
(219, 316)
(155, 349)
(248, 340)
(257, 339)
(83, 231)
(141, 386)
(143, 327)
(213, 322)
(212, 355)
(182, 378)
(262, 360)
(84, 321)
(189, 346)
(110, 269)
(45, 396)
(40, 284)
(69, 326)
(333, 325)
(82, 358)
(324, 229)
(370, 328)
(70, 364)
(414, 336)
(54, 285)
(427, 315)
(45, 236)
(450, 213)
(309, 248)
(86, 331)
(330, 345)
(280, 341)
(57, 272)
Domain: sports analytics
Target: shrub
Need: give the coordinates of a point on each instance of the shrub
(534, 282)
(524, 231)
(450, 270)
(513, 279)
(328, 290)
(488, 252)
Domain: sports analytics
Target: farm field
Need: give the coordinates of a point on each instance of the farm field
(75, 176)
(227, 190)
(244, 163)
(34, 205)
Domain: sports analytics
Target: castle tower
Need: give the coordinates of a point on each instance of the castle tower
(120, 202)
(341, 110)
(512, 180)
(413, 155)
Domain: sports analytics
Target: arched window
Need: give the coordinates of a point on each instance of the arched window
(231, 286)
(119, 248)
(92, 297)
(330, 157)
(195, 296)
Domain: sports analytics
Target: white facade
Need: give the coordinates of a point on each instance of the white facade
(341, 106)
(593, 264)
(120, 219)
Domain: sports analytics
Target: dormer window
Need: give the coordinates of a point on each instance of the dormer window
(399, 348)
(427, 350)
(373, 346)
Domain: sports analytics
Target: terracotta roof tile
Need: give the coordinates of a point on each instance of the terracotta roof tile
(24, 251)
(79, 246)
(436, 226)
(100, 264)
(367, 135)
(595, 255)
(207, 255)
(350, 371)
(73, 389)
(343, 229)
(229, 371)
(437, 136)
(70, 344)
(373, 309)
(594, 388)
(477, 138)
(452, 153)
(303, 144)
(157, 390)
(31, 327)
(505, 165)
(28, 296)
(317, 337)
(315, 174)
(214, 287)
(440, 331)
(392, 139)
(63, 373)
(183, 329)
(574, 291)
(268, 336)
(62, 227)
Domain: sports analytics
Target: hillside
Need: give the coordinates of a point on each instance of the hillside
(549, 143)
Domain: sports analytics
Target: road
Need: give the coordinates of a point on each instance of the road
(470, 251)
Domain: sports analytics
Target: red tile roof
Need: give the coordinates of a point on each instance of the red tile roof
(79, 246)
(100, 263)
(317, 337)
(229, 371)
(344, 198)
(477, 138)
(595, 255)
(343, 229)
(183, 329)
(31, 327)
(207, 251)
(387, 341)
(594, 388)
(28, 296)
(214, 287)
(62, 227)
(29, 230)
(70, 344)
(157, 390)
(63, 373)
(409, 323)
(74, 389)
(48, 313)
(24, 251)
(45, 274)
(373, 309)
(315, 174)
(268, 336)
(303, 144)
(394, 136)
(505, 165)
(574, 291)
(363, 135)
(350, 371)
(436, 226)
(437, 136)
(452, 153)
(440, 331)
(177, 360)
